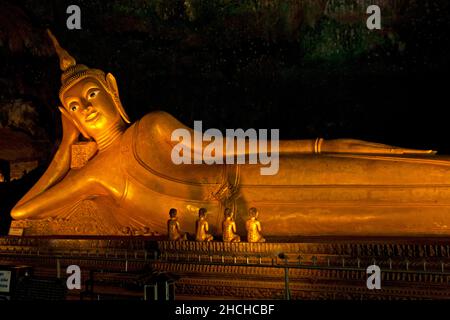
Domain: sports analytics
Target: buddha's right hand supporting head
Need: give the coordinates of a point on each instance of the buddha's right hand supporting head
(70, 130)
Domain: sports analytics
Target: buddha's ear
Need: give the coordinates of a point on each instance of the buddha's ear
(112, 84)
(67, 115)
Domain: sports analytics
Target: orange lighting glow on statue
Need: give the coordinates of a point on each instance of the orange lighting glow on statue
(336, 187)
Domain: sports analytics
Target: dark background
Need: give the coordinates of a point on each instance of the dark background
(308, 67)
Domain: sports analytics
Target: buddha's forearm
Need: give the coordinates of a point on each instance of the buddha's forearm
(57, 169)
(38, 207)
(60, 164)
(343, 146)
(58, 198)
(24, 210)
(360, 146)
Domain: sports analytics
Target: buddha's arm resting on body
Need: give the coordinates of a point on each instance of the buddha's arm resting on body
(169, 124)
(345, 146)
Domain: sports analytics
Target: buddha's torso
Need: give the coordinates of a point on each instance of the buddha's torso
(201, 230)
(253, 234)
(227, 230)
(173, 229)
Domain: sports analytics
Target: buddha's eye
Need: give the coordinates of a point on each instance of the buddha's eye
(74, 107)
(93, 94)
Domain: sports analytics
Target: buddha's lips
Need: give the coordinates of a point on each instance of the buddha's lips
(92, 116)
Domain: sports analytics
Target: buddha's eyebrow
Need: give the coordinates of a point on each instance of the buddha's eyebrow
(70, 99)
(88, 86)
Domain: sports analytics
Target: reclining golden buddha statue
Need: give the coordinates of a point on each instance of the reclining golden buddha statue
(129, 181)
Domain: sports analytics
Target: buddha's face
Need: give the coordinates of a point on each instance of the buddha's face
(91, 106)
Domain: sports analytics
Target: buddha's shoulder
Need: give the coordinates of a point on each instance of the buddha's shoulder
(158, 119)
(157, 123)
(152, 132)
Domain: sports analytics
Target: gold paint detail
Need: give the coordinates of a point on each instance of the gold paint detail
(81, 153)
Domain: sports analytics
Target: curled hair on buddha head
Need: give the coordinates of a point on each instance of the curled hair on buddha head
(73, 73)
(252, 212)
(202, 212)
(172, 212)
(228, 212)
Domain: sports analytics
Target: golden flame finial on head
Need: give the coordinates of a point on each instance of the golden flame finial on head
(65, 59)
(73, 72)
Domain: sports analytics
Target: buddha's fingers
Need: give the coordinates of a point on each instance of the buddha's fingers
(413, 151)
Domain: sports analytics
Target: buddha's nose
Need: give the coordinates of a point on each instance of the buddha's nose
(87, 107)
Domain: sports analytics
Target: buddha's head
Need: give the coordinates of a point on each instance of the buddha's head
(253, 212)
(90, 98)
(228, 213)
(173, 213)
(202, 213)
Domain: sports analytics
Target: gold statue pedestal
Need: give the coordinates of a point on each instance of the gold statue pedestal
(89, 218)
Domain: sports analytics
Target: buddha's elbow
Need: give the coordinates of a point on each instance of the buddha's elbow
(19, 212)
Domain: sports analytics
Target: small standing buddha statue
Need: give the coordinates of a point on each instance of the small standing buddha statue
(173, 227)
(229, 228)
(254, 227)
(201, 227)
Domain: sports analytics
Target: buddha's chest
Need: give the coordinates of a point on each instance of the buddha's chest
(106, 170)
